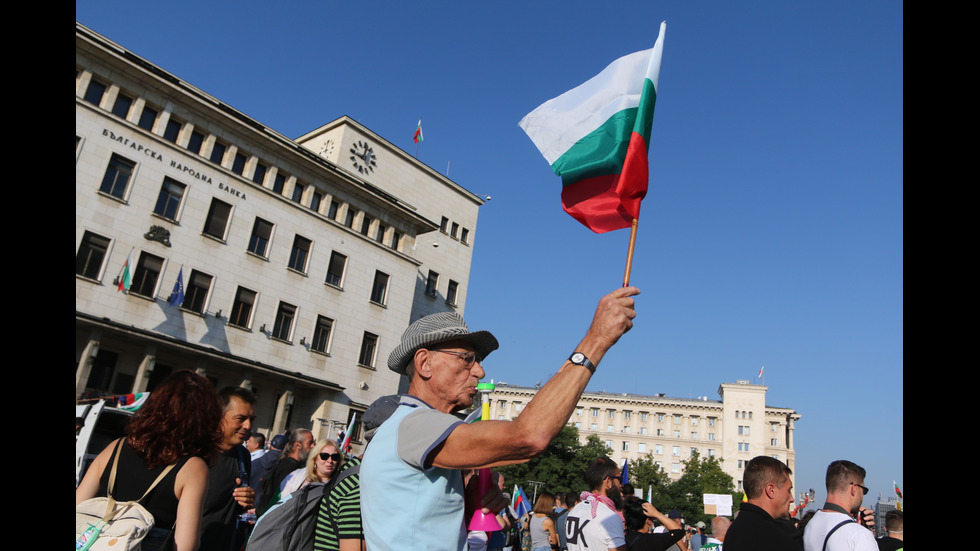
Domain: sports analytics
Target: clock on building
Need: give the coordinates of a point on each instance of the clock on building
(363, 158)
(327, 149)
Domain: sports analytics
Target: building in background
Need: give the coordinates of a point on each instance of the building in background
(300, 262)
(667, 430)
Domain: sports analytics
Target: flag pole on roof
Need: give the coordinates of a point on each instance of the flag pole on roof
(597, 136)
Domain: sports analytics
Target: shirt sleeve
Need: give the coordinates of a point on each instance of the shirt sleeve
(421, 432)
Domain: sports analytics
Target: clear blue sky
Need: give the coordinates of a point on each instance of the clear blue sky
(773, 229)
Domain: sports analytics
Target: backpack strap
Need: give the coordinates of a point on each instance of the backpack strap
(333, 484)
(834, 529)
(111, 510)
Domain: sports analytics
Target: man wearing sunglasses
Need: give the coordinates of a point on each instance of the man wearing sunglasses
(834, 527)
(412, 494)
(594, 524)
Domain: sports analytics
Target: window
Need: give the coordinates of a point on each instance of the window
(431, 283)
(517, 406)
(321, 335)
(694, 435)
(464, 235)
(279, 184)
(216, 223)
(627, 415)
(595, 426)
(315, 201)
(147, 274)
(750, 415)
(626, 429)
(578, 425)
(168, 202)
(95, 92)
(122, 105)
(660, 432)
(659, 449)
(261, 235)
(454, 231)
(349, 219)
(91, 254)
(676, 450)
(333, 210)
(660, 417)
(675, 468)
(196, 297)
(693, 451)
(218, 152)
(773, 442)
(711, 421)
(238, 165)
(396, 240)
(117, 176)
(335, 271)
(172, 132)
(259, 175)
(365, 224)
(711, 452)
(241, 310)
(694, 421)
(711, 436)
(609, 444)
(610, 428)
(677, 434)
(739, 463)
(300, 253)
(452, 292)
(444, 224)
(595, 412)
(774, 427)
(643, 430)
(611, 413)
(578, 412)
(298, 190)
(644, 416)
(677, 419)
(283, 327)
(379, 235)
(379, 290)
(147, 118)
(195, 142)
(626, 446)
(369, 345)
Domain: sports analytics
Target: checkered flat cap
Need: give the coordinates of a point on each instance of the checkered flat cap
(434, 329)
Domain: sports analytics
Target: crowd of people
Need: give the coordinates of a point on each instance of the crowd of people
(416, 484)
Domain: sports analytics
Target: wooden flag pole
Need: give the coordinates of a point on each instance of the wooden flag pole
(629, 254)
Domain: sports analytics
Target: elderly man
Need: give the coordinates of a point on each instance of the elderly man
(719, 527)
(833, 528)
(762, 523)
(412, 487)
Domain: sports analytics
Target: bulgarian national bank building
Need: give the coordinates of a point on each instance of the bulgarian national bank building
(287, 266)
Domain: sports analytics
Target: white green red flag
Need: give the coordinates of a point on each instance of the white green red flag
(418, 133)
(126, 274)
(898, 492)
(596, 137)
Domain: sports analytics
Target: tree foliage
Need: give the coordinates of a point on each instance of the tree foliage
(702, 475)
(562, 465)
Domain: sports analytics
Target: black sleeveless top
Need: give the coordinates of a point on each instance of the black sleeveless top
(133, 478)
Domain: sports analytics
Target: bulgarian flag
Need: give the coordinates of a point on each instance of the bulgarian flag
(596, 137)
(345, 445)
(418, 133)
(898, 492)
(126, 274)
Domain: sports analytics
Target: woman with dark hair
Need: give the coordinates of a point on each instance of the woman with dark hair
(543, 535)
(178, 425)
(638, 515)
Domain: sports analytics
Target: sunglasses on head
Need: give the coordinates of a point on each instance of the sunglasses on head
(325, 456)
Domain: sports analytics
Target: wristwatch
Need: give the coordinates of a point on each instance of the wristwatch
(579, 358)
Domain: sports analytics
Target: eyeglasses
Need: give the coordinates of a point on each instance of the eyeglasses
(865, 488)
(616, 477)
(325, 456)
(467, 357)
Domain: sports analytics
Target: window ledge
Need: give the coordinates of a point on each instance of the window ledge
(214, 238)
(256, 255)
(113, 197)
(165, 219)
(295, 271)
(372, 368)
(290, 343)
(88, 279)
(378, 304)
(331, 285)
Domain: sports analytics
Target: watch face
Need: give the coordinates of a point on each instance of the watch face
(578, 358)
(362, 155)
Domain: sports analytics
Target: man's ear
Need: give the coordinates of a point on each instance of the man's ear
(421, 362)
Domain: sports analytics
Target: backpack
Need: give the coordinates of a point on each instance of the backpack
(289, 524)
(104, 523)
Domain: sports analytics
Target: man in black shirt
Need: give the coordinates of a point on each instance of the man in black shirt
(763, 523)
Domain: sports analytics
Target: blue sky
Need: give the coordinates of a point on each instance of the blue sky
(772, 232)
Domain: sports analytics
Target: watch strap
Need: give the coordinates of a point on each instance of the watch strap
(583, 361)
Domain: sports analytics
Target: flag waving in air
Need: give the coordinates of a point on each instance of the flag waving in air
(596, 137)
(418, 133)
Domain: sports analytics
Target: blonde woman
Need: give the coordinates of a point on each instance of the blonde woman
(324, 461)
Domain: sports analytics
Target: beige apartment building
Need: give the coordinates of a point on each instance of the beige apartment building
(734, 429)
(301, 260)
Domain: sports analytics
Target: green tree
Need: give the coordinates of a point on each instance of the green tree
(561, 466)
(645, 475)
(701, 476)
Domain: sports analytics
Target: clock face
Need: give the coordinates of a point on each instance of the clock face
(363, 158)
(327, 149)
